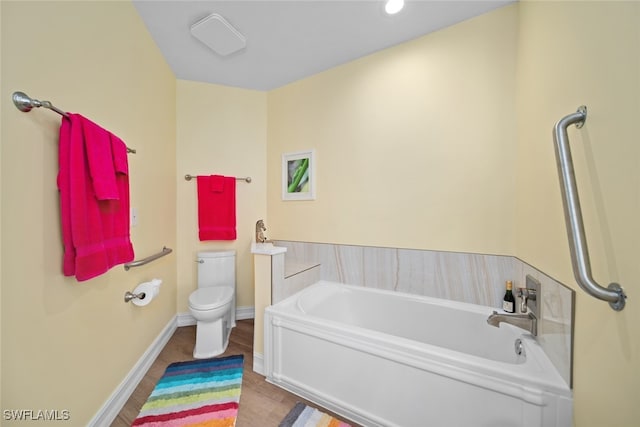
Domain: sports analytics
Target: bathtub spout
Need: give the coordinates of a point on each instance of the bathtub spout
(528, 322)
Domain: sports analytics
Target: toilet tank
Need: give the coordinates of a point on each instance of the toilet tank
(216, 268)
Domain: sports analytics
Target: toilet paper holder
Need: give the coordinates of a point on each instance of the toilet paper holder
(128, 296)
(144, 293)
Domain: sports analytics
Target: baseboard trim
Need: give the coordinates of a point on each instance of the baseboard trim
(242, 313)
(246, 312)
(119, 397)
(185, 319)
(258, 363)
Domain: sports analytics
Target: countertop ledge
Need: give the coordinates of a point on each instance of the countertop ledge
(266, 249)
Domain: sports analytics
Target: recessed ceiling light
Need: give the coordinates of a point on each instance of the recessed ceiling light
(393, 6)
(217, 34)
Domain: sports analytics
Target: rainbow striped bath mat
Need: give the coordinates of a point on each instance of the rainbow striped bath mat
(305, 416)
(200, 392)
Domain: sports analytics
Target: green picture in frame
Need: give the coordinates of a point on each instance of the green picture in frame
(298, 176)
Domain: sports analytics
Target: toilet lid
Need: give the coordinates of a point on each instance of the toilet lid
(210, 298)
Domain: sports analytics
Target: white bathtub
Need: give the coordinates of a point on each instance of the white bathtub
(384, 358)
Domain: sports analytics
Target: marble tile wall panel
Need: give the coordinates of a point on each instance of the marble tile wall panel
(555, 329)
(471, 278)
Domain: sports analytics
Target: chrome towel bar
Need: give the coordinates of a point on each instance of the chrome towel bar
(188, 177)
(147, 260)
(614, 293)
(24, 103)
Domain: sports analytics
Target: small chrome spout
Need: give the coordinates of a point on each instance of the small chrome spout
(528, 322)
(260, 229)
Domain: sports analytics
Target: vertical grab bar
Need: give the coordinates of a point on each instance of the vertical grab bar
(573, 215)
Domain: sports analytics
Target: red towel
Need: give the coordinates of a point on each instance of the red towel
(115, 213)
(97, 145)
(217, 207)
(69, 255)
(94, 199)
(217, 183)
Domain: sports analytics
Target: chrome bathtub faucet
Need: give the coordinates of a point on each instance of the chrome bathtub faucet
(528, 322)
(530, 304)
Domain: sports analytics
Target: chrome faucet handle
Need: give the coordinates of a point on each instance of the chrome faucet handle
(525, 295)
(531, 294)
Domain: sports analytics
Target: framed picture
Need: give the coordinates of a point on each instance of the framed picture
(298, 176)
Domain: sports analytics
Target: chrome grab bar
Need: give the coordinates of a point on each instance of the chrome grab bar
(147, 260)
(614, 293)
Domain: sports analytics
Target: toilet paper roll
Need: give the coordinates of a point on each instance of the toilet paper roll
(149, 289)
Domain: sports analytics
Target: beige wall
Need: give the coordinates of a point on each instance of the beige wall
(221, 130)
(418, 147)
(572, 54)
(1, 104)
(68, 345)
(415, 144)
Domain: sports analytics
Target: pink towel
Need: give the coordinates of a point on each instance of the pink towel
(217, 207)
(69, 254)
(217, 183)
(94, 199)
(115, 213)
(97, 144)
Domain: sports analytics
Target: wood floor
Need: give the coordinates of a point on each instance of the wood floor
(261, 404)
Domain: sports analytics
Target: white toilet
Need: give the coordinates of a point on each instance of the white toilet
(213, 303)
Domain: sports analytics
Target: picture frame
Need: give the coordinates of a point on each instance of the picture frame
(299, 175)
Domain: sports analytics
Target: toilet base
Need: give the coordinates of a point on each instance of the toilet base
(212, 339)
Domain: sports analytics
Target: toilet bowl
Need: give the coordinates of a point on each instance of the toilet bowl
(210, 304)
(213, 303)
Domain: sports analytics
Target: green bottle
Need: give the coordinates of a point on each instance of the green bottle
(509, 301)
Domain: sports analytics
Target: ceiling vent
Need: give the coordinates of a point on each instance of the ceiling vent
(217, 34)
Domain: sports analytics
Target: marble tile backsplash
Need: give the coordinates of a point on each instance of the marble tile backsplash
(472, 278)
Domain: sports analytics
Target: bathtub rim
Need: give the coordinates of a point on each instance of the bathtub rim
(502, 377)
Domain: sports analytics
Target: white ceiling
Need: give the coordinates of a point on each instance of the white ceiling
(292, 39)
